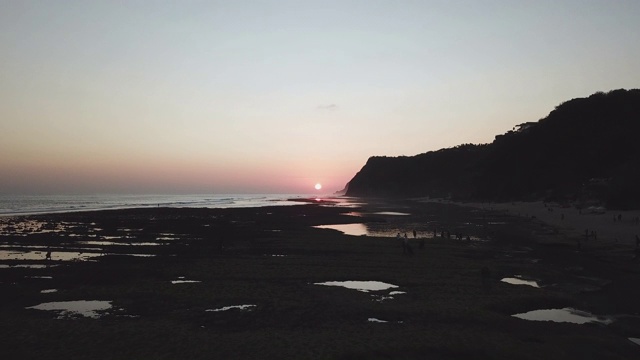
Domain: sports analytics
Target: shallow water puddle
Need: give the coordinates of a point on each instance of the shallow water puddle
(70, 309)
(364, 286)
(518, 280)
(353, 213)
(109, 237)
(239, 307)
(34, 266)
(27, 266)
(390, 296)
(347, 229)
(167, 238)
(564, 315)
(374, 320)
(391, 213)
(48, 291)
(113, 243)
(41, 255)
(184, 281)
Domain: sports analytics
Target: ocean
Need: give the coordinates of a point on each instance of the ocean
(11, 205)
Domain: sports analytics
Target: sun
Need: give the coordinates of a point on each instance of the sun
(318, 186)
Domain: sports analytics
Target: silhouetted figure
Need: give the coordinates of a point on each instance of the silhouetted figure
(48, 255)
(405, 244)
(415, 234)
(448, 235)
(468, 238)
(442, 234)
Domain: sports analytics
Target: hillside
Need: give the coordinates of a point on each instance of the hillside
(586, 149)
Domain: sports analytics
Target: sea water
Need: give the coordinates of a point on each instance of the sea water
(45, 204)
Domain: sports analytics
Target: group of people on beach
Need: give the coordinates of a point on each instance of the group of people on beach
(406, 246)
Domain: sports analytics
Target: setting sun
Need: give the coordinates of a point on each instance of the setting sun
(318, 186)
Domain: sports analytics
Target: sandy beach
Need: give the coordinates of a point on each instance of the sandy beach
(604, 224)
(265, 283)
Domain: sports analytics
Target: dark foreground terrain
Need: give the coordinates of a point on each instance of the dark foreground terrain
(445, 306)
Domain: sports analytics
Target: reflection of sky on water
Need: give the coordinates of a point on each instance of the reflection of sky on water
(239, 307)
(519, 281)
(111, 243)
(564, 315)
(364, 286)
(67, 309)
(353, 213)
(348, 229)
(380, 229)
(374, 320)
(59, 255)
(40, 255)
(391, 213)
(184, 281)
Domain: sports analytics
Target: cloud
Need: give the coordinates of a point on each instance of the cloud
(329, 107)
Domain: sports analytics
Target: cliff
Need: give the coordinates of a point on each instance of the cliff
(586, 149)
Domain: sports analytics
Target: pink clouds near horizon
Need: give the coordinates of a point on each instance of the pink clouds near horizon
(171, 178)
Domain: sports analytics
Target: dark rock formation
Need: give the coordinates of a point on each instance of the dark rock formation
(585, 149)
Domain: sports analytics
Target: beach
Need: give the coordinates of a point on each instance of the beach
(603, 226)
(267, 283)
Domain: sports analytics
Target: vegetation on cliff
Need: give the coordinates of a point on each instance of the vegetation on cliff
(586, 149)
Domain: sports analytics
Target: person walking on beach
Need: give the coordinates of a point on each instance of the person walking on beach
(405, 243)
(48, 255)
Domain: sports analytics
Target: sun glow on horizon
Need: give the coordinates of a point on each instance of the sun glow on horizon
(318, 186)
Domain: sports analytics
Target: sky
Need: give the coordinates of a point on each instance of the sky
(206, 97)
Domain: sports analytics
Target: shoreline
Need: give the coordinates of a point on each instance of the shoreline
(25, 205)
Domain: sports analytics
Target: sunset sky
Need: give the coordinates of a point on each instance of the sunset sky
(276, 96)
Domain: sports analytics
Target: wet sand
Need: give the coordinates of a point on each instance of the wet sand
(246, 284)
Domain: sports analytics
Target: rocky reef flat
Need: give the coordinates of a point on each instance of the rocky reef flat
(284, 282)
